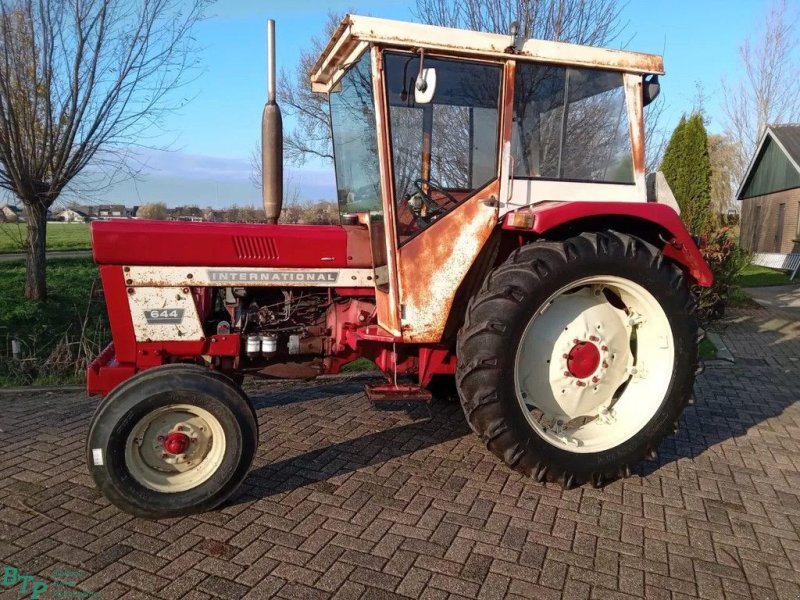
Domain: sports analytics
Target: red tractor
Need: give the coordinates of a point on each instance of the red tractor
(497, 229)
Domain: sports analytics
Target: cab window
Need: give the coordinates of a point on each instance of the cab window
(446, 148)
(570, 124)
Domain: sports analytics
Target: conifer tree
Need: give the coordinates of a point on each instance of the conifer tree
(687, 169)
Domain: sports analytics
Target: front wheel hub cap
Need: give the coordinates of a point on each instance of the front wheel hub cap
(176, 442)
(583, 359)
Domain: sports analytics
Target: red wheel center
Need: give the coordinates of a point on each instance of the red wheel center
(583, 360)
(176, 442)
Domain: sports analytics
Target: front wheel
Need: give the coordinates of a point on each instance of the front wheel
(577, 358)
(172, 441)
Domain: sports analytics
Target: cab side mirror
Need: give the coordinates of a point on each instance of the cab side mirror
(425, 86)
(651, 89)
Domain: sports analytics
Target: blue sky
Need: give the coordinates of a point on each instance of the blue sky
(212, 138)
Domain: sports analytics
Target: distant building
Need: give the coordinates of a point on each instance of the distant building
(72, 215)
(770, 193)
(112, 211)
(11, 214)
(105, 211)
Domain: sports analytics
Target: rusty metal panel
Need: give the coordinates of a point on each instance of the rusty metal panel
(357, 29)
(433, 264)
(162, 314)
(634, 100)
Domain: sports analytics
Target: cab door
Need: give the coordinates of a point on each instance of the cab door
(446, 157)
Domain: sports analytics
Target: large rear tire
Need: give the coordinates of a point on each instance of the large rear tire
(172, 441)
(577, 358)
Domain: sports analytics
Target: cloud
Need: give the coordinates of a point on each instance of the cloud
(193, 166)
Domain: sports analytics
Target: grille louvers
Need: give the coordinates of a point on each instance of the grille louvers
(251, 247)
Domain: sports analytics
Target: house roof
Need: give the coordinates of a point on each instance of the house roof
(75, 210)
(786, 137)
(355, 33)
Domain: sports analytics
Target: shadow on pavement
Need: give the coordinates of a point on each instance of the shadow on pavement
(434, 423)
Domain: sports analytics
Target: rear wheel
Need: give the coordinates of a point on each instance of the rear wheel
(172, 441)
(577, 358)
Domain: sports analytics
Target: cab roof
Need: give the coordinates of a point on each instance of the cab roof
(355, 33)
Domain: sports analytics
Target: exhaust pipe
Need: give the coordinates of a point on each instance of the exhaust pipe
(271, 140)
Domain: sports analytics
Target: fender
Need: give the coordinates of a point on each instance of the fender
(678, 243)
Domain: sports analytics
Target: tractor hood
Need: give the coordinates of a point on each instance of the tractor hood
(175, 243)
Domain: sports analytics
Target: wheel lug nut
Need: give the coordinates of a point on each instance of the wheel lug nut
(605, 365)
(595, 379)
(566, 373)
(179, 428)
(164, 456)
(593, 338)
(580, 384)
(565, 356)
(576, 341)
(194, 440)
(604, 348)
(160, 438)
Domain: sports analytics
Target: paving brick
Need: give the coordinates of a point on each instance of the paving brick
(347, 501)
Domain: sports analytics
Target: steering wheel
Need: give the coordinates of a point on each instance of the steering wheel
(432, 184)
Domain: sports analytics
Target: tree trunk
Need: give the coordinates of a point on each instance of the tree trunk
(35, 280)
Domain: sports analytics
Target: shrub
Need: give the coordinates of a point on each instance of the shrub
(727, 259)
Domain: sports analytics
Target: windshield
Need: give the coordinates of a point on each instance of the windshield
(355, 147)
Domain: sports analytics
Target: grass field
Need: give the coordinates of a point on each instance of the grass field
(57, 336)
(60, 236)
(755, 276)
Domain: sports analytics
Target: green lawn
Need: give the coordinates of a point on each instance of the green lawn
(755, 276)
(58, 336)
(60, 236)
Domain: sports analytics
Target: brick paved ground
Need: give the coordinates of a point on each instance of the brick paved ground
(352, 502)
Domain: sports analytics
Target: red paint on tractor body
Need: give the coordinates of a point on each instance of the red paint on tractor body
(680, 248)
(176, 243)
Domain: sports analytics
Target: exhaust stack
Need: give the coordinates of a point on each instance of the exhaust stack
(271, 140)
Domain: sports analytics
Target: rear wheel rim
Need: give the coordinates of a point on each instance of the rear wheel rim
(594, 364)
(175, 448)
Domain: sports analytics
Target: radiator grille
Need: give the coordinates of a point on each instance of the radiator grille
(253, 247)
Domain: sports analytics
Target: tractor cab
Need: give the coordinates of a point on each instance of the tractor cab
(439, 133)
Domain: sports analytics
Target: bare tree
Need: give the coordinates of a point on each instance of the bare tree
(588, 22)
(81, 82)
(767, 91)
(723, 154)
(312, 136)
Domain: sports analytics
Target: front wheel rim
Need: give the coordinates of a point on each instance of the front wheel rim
(175, 448)
(594, 364)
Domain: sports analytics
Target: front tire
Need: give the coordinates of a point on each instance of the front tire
(577, 358)
(172, 441)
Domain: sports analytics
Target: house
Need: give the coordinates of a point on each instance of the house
(105, 211)
(11, 214)
(112, 211)
(770, 194)
(72, 215)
